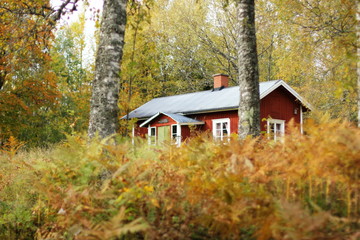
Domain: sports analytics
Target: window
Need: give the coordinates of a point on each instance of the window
(152, 135)
(174, 131)
(176, 134)
(221, 129)
(275, 129)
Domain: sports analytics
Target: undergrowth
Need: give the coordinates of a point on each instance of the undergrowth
(304, 188)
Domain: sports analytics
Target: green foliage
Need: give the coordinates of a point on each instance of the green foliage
(74, 75)
(176, 46)
(43, 95)
(253, 189)
(312, 45)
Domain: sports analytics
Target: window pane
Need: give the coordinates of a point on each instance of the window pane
(272, 128)
(225, 131)
(218, 130)
(174, 132)
(275, 129)
(221, 129)
(278, 130)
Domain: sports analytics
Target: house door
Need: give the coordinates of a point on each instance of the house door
(163, 134)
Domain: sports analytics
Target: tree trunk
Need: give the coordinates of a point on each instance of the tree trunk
(249, 106)
(358, 56)
(104, 101)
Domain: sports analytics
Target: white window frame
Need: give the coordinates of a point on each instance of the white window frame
(177, 138)
(275, 135)
(221, 120)
(150, 136)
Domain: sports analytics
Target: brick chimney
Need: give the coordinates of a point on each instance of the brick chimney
(221, 80)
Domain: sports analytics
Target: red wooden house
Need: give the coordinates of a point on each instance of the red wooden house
(216, 111)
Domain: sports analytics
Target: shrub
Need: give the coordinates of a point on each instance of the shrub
(304, 188)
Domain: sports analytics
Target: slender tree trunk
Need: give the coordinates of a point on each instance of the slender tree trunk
(249, 106)
(104, 101)
(358, 55)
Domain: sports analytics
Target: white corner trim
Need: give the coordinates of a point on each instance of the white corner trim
(149, 120)
(270, 89)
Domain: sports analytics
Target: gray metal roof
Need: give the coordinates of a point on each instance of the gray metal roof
(180, 119)
(226, 98)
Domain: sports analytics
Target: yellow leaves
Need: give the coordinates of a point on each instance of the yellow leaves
(11, 147)
(149, 189)
(283, 191)
(155, 202)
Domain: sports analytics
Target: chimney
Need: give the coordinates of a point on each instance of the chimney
(221, 80)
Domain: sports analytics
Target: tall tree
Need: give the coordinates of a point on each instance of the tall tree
(28, 88)
(185, 64)
(323, 56)
(358, 56)
(73, 76)
(104, 101)
(249, 105)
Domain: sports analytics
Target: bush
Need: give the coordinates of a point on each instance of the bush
(305, 188)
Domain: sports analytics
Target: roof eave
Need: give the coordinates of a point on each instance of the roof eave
(149, 120)
(212, 110)
(192, 123)
(181, 123)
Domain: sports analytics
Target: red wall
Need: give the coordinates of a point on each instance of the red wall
(208, 117)
(185, 132)
(279, 104)
(140, 131)
(155, 122)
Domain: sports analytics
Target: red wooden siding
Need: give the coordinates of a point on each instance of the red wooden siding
(279, 104)
(208, 117)
(140, 131)
(185, 132)
(161, 117)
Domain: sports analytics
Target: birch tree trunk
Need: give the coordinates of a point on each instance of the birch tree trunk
(104, 101)
(249, 106)
(358, 56)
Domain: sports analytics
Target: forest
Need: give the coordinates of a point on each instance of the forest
(60, 179)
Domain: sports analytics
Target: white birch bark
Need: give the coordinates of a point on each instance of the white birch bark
(104, 101)
(249, 105)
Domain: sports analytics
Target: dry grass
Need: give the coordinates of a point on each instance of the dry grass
(307, 188)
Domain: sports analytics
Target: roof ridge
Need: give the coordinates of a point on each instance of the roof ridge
(210, 90)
